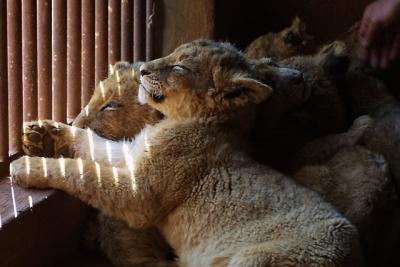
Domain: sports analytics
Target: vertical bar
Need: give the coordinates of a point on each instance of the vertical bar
(14, 49)
(114, 31)
(139, 14)
(101, 40)
(126, 30)
(87, 64)
(44, 58)
(73, 58)
(59, 60)
(29, 82)
(3, 83)
(150, 10)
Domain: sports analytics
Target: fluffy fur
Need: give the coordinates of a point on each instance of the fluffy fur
(113, 112)
(289, 42)
(193, 166)
(369, 95)
(293, 118)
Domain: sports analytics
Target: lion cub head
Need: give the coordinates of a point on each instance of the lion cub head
(289, 42)
(205, 78)
(114, 111)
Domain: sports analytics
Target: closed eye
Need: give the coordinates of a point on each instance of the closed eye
(180, 68)
(111, 106)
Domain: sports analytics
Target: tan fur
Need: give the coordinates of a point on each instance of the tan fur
(289, 42)
(368, 95)
(120, 91)
(293, 118)
(191, 168)
(123, 118)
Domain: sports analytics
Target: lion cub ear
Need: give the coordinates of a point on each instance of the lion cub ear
(243, 90)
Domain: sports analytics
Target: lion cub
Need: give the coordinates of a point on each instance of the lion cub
(191, 177)
(289, 42)
(113, 112)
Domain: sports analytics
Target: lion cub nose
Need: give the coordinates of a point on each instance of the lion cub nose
(143, 71)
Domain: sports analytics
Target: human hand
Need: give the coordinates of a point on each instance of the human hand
(379, 34)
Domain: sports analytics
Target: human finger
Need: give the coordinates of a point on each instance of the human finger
(386, 50)
(375, 58)
(363, 54)
(395, 49)
(371, 26)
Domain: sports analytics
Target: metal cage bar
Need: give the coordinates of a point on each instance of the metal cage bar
(44, 58)
(114, 31)
(73, 59)
(139, 37)
(87, 64)
(53, 52)
(59, 39)
(14, 59)
(3, 83)
(29, 63)
(101, 55)
(127, 30)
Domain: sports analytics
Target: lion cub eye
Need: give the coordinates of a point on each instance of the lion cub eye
(111, 106)
(179, 68)
(293, 39)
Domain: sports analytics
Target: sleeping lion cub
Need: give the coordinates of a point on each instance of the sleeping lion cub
(190, 174)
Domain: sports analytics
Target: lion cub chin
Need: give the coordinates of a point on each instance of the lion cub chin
(190, 174)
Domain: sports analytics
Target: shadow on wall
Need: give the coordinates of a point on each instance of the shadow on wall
(241, 21)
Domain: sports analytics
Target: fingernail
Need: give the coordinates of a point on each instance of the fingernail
(362, 54)
(363, 42)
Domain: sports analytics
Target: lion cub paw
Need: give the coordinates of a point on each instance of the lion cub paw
(47, 139)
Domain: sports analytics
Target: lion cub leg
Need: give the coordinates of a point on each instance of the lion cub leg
(53, 139)
(322, 149)
(289, 253)
(109, 189)
(128, 247)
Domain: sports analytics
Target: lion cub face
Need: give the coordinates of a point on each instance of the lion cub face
(114, 111)
(289, 42)
(205, 78)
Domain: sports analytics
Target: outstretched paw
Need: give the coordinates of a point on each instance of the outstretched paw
(47, 139)
(28, 172)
